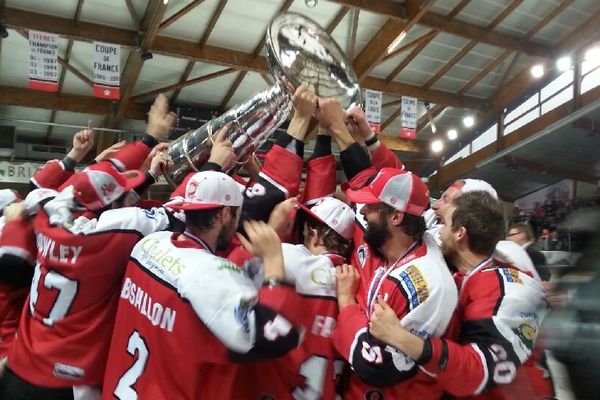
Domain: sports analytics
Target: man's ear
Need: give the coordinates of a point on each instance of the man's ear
(396, 217)
(461, 234)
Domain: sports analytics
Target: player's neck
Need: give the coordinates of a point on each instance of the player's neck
(466, 260)
(315, 249)
(396, 247)
(209, 237)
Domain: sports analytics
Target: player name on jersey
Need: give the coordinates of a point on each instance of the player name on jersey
(57, 252)
(157, 314)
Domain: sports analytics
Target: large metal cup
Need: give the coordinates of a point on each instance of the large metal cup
(299, 52)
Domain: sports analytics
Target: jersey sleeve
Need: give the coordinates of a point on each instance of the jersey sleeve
(374, 362)
(320, 178)
(52, 175)
(17, 253)
(252, 323)
(145, 221)
(278, 180)
(498, 333)
(133, 155)
(383, 157)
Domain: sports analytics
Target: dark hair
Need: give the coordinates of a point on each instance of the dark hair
(523, 227)
(332, 241)
(412, 225)
(204, 220)
(481, 215)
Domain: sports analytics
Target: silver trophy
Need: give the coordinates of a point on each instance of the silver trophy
(299, 52)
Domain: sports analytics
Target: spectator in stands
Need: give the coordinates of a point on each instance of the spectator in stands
(522, 234)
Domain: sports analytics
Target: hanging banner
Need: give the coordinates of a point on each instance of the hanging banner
(107, 70)
(373, 100)
(409, 118)
(43, 61)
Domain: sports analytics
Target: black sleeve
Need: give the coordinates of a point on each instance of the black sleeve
(354, 160)
(149, 140)
(146, 184)
(288, 142)
(322, 147)
(265, 347)
(15, 271)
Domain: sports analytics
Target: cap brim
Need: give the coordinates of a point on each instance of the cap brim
(133, 179)
(362, 196)
(185, 205)
(307, 211)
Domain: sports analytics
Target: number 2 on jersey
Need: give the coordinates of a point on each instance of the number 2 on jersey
(124, 389)
(67, 290)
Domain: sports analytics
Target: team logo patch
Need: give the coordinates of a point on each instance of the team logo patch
(527, 333)
(362, 253)
(416, 285)
(511, 275)
(241, 314)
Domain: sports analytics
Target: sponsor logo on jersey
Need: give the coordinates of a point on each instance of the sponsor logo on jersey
(416, 285)
(527, 333)
(230, 267)
(156, 255)
(511, 275)
(362, 253)
(323, 277)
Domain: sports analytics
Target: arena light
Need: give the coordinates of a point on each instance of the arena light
(563, 64)
(437, 146)
(537, 71)
(452, 134)
(396, 42)
(468, 121)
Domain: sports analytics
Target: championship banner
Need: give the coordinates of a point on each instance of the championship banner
(373, 100)
(43, 61)
(107, 70)
(409, 118)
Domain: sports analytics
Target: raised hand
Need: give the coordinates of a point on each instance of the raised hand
(14, 211)
(330, 114)
(305, 102)
(222, 150)
(281, 218)
(264, 243)
(160, 119)
(357, 121)
(82, 142)
(107, 153)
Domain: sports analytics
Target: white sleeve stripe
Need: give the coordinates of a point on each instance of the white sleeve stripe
(118, 164)
(17, 251)
(62, 165)
(274, 183)
(35, 182)
(486, 373)
(354, 344)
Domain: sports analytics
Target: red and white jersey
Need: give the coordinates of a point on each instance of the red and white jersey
(17, 255)
(423, 294)
(185, 315)
(65, 330)
(491, 334)
(312, 370)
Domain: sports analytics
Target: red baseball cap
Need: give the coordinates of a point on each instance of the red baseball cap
(397, 188)
(100, 184)
(209, 189)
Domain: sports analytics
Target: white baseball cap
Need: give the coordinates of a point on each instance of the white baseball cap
(7, 196)
(335, 214)
(209, 189)
(472, 185)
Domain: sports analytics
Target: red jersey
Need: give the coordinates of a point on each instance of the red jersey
(492, 333)
(65, 330)
(17, 255)
(180, 302)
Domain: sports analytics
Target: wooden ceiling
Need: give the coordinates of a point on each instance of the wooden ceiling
(461, 56)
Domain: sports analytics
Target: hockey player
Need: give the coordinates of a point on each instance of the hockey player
(181, 301)
(498, 316)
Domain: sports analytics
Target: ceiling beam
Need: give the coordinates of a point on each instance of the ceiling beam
(425, 38)
(132, 14)
(408, 59)
(210, 54)
(65, 102)
(353, 31)
(180, 85)
(391, 118)
(433, 96)
(337, 19)
(394, 143)
(547, 169)
(175, 17)
(467, 30)
(133, 67)
(380, 43)
(207, 31)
